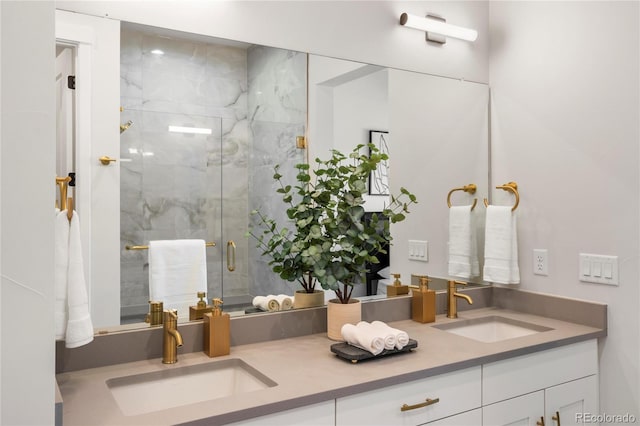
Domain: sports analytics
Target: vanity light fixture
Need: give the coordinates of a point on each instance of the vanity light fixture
(437, 28)
(196, 130)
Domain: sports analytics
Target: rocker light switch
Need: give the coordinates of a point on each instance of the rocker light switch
(599, 269)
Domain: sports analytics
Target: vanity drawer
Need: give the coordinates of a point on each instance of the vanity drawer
(457, 392)
(529, 373)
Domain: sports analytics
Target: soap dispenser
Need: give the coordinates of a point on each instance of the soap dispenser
(154, 317)
(397, 288)
(423, 303)
(217, 331)
(197, 312)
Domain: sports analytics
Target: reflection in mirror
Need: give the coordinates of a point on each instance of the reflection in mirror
(254, 99)
(210, 118)
(437, 133)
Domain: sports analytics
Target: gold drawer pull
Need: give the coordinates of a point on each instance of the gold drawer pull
(427, 402)
(556, 417)
(541, 421)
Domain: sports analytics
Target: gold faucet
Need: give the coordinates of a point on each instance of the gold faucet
(452, 307)
(171, 337)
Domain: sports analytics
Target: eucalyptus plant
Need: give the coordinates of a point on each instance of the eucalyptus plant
(329, 241)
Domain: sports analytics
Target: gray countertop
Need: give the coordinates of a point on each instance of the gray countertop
(307, 372)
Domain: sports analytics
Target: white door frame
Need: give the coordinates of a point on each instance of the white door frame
(97, 45)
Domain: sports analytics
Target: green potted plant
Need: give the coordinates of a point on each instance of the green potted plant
(329, 241)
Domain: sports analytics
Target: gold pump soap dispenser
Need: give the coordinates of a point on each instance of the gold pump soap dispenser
(397, 288)
(423, 303)
(197, 312)
(217, 331)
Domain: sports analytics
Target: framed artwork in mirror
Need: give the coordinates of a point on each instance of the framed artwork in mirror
(379, 178)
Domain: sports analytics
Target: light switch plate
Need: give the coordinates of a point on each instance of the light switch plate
(599, 269)
(419, 250)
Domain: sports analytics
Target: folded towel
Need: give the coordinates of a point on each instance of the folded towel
(463, 251)
(401, 337)
(61, 260)
(501, 246)
(79, 327)
(363, 337)
(285, 302)
(177, 272)
(266, 303)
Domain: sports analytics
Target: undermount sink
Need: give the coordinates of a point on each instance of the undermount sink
(177, 386)
(491, 328)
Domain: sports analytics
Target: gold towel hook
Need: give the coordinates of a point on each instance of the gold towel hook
(471, 189)
(510, 186)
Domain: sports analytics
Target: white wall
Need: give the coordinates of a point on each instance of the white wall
(364, 31)
(27, 163)
(565, 126)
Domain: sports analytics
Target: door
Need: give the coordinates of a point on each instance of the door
(525, 410)
(569, 403)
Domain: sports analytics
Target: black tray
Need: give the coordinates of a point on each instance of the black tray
(355, 354)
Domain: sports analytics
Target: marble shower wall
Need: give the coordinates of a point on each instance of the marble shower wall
(176, 185)
(277, 101)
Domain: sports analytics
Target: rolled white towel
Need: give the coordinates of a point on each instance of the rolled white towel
(387, 334)
(286, 302)
(363, 338)
(266, 303)
(402, 338)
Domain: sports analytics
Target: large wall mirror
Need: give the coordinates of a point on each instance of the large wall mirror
(206, 120)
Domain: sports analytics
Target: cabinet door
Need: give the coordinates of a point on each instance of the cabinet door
(322, 414)
(525, 410)
(567, 403)
(469, 418)
(455, 393)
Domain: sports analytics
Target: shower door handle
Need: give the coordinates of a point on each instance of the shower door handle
(231, 256)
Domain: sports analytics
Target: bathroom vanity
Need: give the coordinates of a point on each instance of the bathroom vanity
(447, 379)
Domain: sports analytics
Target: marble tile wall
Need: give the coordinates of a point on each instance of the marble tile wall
(177, 185)
(277, 104)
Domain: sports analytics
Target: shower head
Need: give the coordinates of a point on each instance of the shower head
(125, 127)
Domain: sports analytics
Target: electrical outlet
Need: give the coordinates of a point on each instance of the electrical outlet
(540, 262)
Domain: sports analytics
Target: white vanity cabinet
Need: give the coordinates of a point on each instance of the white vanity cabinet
(321, 414)
(515, 391)
(455, 392)
(558, 382)
(473, 417)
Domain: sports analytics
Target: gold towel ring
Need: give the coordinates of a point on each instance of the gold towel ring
(511, 186)
(471, 189)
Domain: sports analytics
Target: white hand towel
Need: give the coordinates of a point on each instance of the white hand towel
(61, 259)
(79, 326)
(177, 272)
(285, 302)
(266, 303)
(401, 337)
(463, 250)
(363, 338)
(501, 246)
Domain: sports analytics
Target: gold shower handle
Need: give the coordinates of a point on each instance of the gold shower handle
(105, 160)
(231, 255)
